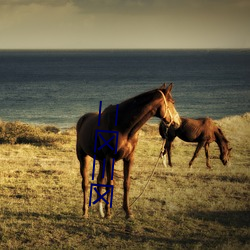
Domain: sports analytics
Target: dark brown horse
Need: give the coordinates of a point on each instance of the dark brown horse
(203, 131)
(133, 113)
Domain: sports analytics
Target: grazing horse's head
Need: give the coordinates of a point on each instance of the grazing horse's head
(225, 155)
(223, 144)
(224, 148)
(167, 111)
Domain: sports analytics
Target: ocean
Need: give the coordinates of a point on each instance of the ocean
(57, 87)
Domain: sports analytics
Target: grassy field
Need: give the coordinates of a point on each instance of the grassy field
(41, 197)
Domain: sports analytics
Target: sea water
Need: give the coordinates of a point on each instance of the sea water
(57, 87)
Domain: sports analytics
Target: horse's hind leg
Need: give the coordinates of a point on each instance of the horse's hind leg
(104, 176)
(84, 165)
(101, 181)
(109, 163)
(196, 152)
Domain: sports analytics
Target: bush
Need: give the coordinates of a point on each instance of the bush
(52, 129)
(21, 133)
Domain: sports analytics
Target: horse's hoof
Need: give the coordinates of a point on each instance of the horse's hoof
(130, 216)
(85, 216)
(108, 216)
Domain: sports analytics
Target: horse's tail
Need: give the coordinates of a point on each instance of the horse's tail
(79, 123)
(81, 120)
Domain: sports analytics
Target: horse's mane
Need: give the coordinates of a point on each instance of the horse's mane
(141, 98)
(219, 135)
(147, 96)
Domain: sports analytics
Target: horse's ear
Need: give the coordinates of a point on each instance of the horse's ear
(169, 88)
(163, 86)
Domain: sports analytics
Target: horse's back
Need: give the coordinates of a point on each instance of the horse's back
(206, 122)
(195, 130)
(209, 125)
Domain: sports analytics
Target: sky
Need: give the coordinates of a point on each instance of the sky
(124, 24)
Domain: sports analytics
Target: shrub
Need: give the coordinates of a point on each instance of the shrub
(52, 129)
(21, 133)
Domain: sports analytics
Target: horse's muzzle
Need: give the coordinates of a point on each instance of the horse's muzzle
(176, 121)
(225, 163)
(176, 125)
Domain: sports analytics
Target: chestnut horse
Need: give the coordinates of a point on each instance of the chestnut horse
(203, 131)
(133, 113)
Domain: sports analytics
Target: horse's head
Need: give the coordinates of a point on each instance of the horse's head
(224, 157)
(167, 111)
(224, 147)
(225, 154)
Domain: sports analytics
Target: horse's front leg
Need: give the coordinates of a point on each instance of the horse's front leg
(163, 152)
(197, 150)
(126, 185)
(169, 147)
(207, 155)
(84, 165)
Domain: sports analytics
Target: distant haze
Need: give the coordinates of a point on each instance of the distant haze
(118, 24)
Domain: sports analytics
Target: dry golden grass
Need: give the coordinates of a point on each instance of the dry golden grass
(21, 133)
(41, 198)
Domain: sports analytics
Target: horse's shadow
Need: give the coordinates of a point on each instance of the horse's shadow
(236, 219)
(134, 231)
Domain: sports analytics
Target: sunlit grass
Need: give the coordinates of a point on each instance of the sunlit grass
(41, 198)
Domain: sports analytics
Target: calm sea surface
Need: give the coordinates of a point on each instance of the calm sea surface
(57, 87)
